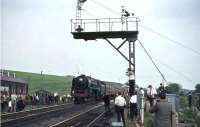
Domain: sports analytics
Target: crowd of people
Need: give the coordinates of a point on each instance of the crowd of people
(155, 98)
(14, 103)
(123, 100)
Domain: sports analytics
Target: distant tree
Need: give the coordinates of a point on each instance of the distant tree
(183, 102)
(197, 88)
(173, 88)
(181, 93)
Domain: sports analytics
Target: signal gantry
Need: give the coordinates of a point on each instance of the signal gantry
(125, 27)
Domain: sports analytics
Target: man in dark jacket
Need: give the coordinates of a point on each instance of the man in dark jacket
(190, 99)
(163, 112)
(20, 104)
(106, 103)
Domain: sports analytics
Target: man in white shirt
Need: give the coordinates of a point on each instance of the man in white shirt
(151, 93)
(133, 106)
(9, 105)
(120, 103)
(149, 90)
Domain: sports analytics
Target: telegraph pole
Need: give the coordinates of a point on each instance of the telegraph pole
(41, 85)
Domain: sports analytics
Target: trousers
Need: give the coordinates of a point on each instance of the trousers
(120, 114)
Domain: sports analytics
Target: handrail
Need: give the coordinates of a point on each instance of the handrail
(104, 24)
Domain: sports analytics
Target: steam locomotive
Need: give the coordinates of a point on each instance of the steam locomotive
(85, 88)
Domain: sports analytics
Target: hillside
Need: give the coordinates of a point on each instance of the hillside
(52, 83)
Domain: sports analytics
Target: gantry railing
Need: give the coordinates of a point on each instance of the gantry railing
(104, 24)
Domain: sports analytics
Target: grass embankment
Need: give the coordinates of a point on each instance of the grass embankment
(51, 83)
(148, 120)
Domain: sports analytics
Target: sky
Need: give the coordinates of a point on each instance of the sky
(36, 35)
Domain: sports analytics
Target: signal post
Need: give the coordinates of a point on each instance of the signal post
(125, 27)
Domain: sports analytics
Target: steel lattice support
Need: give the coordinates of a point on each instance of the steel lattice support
(131, 60)
(78, 15)
(131, 69)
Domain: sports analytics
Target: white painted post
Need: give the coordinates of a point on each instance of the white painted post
(14, 75)
(8, 74)
(142, 106)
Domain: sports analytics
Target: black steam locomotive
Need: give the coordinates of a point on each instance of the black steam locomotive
(85, 88)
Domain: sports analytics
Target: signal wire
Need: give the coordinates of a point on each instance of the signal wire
(169, 39)
(138, 40)
(91, 15)
(161, 35)
(153, 31)
(152, 61)
(167, 66)
(109, 9)
(178, 72)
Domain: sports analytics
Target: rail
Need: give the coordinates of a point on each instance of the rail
(74, 119)
(18, 118)
(19, 114)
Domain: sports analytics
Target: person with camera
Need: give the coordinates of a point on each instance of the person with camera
(163, 112)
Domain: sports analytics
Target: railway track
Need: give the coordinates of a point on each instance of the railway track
(15, 115)
(12, 119)
(83, 119)
(43, 117)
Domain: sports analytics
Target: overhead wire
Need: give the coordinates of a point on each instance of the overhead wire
(169, 39)
(109, 9)
(167, 66)
(153, 31)
(152, 61)
(91, 15)
(161, 35)
(145, 51)
(176, 71)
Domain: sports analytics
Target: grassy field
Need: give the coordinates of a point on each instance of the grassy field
(52, 83)
(148, 119)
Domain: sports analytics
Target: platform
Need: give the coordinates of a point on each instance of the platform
(129, 123)
(105, 34)
(92, 29)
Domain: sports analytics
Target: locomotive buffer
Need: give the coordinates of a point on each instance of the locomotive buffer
(125, 28)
